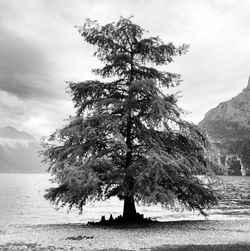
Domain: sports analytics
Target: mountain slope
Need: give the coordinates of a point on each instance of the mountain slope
(11, 133)
(19, 152)
(228, 126)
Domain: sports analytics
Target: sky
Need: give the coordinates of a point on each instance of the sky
(40, 50)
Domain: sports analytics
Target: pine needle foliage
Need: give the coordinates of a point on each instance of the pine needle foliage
(127, 138)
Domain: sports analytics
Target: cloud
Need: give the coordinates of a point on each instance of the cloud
(40, 50)
(23, 69)
(33, 116)
(32, 78)
(35, 53)
(11, 109)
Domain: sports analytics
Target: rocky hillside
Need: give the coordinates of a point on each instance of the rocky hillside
(19, 152)
(228, 126)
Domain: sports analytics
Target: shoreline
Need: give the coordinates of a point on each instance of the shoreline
(158, 236)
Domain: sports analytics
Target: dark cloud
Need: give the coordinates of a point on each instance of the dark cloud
(24, 68)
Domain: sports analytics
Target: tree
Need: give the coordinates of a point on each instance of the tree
(127, 138)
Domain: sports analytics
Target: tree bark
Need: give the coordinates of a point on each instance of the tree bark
(129, 211)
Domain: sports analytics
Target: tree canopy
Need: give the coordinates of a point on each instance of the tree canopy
(127, 138)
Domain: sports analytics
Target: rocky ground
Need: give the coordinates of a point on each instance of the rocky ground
(186, 235)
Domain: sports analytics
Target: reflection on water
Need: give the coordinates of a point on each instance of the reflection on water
(235, 196)
(22, 202)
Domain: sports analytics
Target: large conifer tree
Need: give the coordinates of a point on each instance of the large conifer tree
(127, 138)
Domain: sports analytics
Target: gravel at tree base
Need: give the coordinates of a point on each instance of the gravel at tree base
(181, 235)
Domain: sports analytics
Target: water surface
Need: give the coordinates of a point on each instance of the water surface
(22, 202)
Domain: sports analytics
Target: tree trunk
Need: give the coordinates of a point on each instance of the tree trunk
(129, 211)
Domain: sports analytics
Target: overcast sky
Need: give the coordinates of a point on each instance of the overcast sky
(40, 49)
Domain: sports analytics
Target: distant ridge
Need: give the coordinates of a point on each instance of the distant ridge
(19, 152)
(12, 133)
(228, 126)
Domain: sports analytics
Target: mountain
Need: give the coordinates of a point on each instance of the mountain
(228, 126)
(19, 152)
(11, 133)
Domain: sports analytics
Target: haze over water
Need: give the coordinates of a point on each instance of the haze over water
(22, 202)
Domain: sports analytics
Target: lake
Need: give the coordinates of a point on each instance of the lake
(22, 202)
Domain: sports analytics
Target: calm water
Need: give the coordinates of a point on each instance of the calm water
(22, 202)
